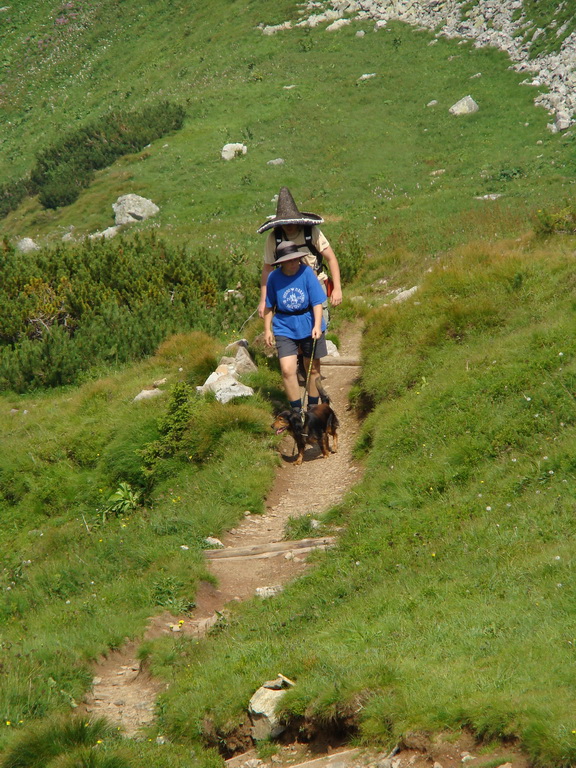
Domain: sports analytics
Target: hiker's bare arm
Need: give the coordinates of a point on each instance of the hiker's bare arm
(268, 335)
(266, 269)
(330, 258)
(317, 329)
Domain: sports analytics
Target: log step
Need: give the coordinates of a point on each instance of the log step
(349, 361)
(278, 547)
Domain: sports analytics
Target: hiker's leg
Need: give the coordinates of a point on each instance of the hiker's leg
(312, 388)
(288, 369)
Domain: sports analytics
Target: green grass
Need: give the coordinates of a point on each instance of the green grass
(457, 558)
(448, 603)
(76, 581)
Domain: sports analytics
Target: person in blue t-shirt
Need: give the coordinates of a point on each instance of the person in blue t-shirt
(293, 318)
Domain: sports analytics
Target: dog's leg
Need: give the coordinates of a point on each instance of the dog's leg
(324, 445)
(334, 442)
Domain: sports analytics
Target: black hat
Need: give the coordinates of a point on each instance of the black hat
(287, 250)
(287, 213)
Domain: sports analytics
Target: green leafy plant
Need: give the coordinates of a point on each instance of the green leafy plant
(121, 502)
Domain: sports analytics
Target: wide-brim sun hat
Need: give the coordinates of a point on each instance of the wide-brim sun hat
(287, 251)
(287, 213)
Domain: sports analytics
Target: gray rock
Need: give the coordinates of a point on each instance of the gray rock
(262, 711)
(106, 233)
(131, 208)
(465, 106)
(360, 33)
(276, 161)
(227, 388)
(432, 103)
(26, 245)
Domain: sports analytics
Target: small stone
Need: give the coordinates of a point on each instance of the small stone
(432, 103)
(276, 161)
(264, 592)
(147, 394)
(465, 106)
(230, 151)
(212, 541)
(360, 33)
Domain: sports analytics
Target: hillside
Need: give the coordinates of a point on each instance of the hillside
(446, 606)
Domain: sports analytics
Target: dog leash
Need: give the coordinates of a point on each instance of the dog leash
(307, 380)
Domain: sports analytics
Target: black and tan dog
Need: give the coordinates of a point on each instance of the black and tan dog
(320, 421)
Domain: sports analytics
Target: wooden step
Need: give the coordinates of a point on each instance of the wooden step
(277, 547)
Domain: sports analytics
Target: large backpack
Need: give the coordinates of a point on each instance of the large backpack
(279, 237)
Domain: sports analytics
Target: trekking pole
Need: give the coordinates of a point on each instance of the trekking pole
(308, 378)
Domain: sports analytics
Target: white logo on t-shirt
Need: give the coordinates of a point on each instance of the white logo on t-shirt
(294, 298)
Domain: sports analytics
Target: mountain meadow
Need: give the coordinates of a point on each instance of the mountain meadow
(449, 602)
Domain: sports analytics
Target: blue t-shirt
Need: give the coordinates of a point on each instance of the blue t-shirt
(292, 293)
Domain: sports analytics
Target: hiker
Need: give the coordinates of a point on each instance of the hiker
(302, 229)
(293, 319)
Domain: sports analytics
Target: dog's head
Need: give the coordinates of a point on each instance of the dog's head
(287, 421)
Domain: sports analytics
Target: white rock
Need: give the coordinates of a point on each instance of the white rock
(493, 196)
(262, 711)
(269, 591)
(106, 233)
(432, 103)
(276, 161)
(380, 24)
(332, 349)
(230, 151)
(213, 541)
(360, 33)
(131, 208)
(465, 106)
(368, 76)
(404, 295)
(147, 394)
(227, 388)
(26, 245)
(336, 25)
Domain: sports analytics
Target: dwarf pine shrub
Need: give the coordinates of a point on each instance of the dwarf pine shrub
(66, 167)
(64, 310)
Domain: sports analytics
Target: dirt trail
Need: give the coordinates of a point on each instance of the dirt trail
(122, 691)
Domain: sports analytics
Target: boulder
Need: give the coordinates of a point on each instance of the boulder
(26, 245)
(226, 387)
(262, 710)
(465, 106)
(230, 151)
(131, 208)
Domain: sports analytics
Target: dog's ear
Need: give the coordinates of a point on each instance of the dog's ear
(295, 420)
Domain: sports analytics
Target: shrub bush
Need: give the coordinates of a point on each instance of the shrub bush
(65, 310)
(66, 167)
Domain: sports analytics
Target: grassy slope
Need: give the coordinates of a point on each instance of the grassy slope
(433, 622)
